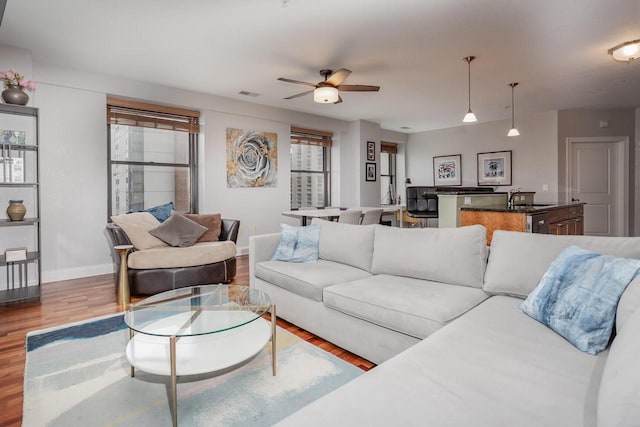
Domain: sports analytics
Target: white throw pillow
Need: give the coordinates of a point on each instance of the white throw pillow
(137, 226)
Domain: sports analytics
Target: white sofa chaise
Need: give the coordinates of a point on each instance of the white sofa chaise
(483, 362)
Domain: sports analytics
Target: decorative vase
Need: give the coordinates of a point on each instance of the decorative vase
(14, 94)
(16, 210)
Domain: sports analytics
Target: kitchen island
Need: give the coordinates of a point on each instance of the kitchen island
(547, 219)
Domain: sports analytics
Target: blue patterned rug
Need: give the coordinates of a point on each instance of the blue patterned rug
(78, 375)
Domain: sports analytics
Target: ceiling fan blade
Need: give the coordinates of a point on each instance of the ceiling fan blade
(339, 100)
(282, 79)
(338, 77)
(358, 88)
(300, 94)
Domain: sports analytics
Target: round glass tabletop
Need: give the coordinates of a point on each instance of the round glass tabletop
(197, 310)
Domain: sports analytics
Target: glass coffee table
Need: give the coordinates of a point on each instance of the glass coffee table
(199, 329)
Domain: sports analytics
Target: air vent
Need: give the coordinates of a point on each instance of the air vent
(405, 127)
(247, 93)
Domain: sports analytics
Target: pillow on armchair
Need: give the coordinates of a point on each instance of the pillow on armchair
(213, 223)
(137, 226)
(179, 231)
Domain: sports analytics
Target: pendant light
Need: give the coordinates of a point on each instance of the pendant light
(514, 130)
(469, 117)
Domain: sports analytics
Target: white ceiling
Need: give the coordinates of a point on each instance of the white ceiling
(413, 49)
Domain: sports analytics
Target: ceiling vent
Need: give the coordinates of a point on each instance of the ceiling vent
(247, 93)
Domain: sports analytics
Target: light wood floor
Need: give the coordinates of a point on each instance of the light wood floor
(80, 299)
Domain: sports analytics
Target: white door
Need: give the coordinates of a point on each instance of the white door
(597, 176)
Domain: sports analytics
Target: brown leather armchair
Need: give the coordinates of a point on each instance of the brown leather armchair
(155, 280)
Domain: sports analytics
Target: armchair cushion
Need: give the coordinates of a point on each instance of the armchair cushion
(137, 226)
(169, 257)
(179, 231)
(213, 223)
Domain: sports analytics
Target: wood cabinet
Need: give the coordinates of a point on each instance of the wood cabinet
(567, 221)
(557, 219)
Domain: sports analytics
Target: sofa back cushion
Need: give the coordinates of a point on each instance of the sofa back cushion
(449, 255)
(619, 392)
(346, 243)
(517, 261)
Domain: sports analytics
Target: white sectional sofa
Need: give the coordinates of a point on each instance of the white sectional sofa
(444, 318)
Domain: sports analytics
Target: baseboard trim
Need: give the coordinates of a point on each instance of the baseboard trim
(76, 273)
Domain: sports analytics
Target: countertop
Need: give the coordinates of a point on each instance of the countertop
(528, 209)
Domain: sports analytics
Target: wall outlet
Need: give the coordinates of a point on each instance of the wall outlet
(545, 187)
(255, 228)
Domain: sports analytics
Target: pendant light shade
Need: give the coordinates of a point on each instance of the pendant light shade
(469, 117)
(626, 52)
(514, 130)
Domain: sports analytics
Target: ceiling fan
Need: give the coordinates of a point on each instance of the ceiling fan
(327, 91)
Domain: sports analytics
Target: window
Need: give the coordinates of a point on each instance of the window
(152, 156)
(310, 166)
(388, 151)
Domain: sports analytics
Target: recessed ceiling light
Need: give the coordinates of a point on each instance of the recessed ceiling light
(247, 93)
(626, 52)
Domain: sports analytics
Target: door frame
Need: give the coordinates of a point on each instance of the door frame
(623, 171)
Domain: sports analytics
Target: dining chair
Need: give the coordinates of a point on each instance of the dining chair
(350, 216)
(372, 216)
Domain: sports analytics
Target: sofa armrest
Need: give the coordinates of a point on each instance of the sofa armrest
(229, 230)
(261, 248)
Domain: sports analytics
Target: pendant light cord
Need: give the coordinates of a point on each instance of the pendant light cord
(512, 106)
(469, 86)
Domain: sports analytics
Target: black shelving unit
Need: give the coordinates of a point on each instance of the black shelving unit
(25, 233)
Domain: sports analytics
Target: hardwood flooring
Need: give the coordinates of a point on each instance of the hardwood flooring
(80, 299)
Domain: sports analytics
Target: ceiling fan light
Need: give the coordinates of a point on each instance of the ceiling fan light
(325, 95)
(626, 52)
(469, 117)
(513, 132)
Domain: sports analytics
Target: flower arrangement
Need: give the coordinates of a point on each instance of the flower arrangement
(12, 77)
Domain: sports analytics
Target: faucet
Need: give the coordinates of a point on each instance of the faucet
(510, 195)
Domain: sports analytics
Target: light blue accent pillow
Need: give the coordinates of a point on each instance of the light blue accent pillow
(298, 244)
(161, 212)
(578, 295)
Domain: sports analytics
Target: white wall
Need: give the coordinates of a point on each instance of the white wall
(534, 157)
(259, 209)
(74, 160)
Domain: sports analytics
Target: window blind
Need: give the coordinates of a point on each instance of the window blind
(310, 137)
(388, 147)
(132, 113)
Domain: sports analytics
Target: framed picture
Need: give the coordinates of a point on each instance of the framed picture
(494, 168)
(370, 172)
(447, 170)
(371, 151)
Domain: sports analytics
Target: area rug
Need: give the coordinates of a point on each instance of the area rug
(78, 375)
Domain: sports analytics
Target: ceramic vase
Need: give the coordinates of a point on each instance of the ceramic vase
(14, 94)
(16, 210)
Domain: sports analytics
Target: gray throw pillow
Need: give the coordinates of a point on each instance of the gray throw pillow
(178, 231)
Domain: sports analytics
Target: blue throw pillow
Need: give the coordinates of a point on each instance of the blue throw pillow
(161, 212)
(298, 244)
(578, 295)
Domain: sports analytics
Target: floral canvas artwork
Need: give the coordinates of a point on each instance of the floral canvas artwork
(252, 159)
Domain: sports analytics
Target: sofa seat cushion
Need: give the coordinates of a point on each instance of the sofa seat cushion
(307, 279)
(494, 366)
(170, 257)
(412, 306)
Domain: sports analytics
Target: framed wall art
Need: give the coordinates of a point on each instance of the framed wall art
(252, 158)
(494, 168)
(447, 170)
(371, 151)
(370, 172)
